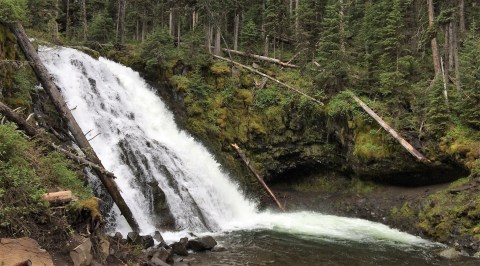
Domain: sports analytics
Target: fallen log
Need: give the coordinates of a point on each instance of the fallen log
(61, 106)
(12, 116)
(391, 131)
(259, 178)
(261, 57)
(264, 80)
(60, 197)
(270, 78)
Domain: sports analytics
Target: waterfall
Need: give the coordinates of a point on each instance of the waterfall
(139, 141)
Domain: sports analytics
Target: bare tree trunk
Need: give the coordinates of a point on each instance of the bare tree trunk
(265, 47)
(137, 29)
(122, 5)
(218, 48)
(170, 22)
(260, 57)
(235, 31)
(67, 22)
(461, 10)
(435, 52)
(446, 48)
(178, 33)
(297, 19)
(84, 19)
(290, 8)
(391, 131)
(144, 27)
(451, 47)
(194, 20)
(445, 83)
(61, 106)
(342, 28)
(257, 175)
(270, 78)
(458, 83)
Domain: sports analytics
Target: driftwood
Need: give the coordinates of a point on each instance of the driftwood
(270, 78)
(60, 197)
(61, 106)
(255, 173)
(261, 57)
(391, 131)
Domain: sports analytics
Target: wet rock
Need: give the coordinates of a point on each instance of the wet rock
(157, 262)
(20, 249)
(163, 254)
(133, 238)
(158, 237)
(450, 253)
(180, 248)
(81, 255)
(118, 236)
(147, 241)
(477, 255)
(218, 248)
(202, 243)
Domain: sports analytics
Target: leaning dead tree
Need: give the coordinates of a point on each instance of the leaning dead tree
(257, 175)
(61, 106)
(270, 78)
(391, 131)
(261, 57)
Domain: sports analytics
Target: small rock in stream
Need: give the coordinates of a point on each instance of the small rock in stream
(450, 253)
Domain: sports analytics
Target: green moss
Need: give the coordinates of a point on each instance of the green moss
(462, 143)
(220, 68)
(362, 187)
(245, 96)
(180, 83)
(405, 212)
(369, 143)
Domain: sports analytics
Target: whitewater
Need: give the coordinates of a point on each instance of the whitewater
(132, 124)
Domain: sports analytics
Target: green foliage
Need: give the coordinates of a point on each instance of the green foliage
(100, 28)
(157, 50)
(12, 10)
(438, 112)
(21, 189)
(266, 98)
(25, 174)
(341, 104)
(469, 99)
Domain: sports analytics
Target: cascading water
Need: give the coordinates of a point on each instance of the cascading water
(140, 142)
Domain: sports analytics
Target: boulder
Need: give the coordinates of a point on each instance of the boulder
(81, 255)
(157, 262)
(158, 237)
(202, 243)
(134, 238)
(450, 253)
(163, 254)
(180, 249)
(118, 236)
(20, 249)
(147, 241)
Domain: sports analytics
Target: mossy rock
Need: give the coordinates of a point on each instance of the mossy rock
(180, 83)
(245, 96)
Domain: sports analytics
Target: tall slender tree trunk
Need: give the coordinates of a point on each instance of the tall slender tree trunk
(290, 8)
(122, 5)
(84, 19)
(266, 45)
(458, 83)
(67, 19)
(235, 31)
(435, 52)
(170, 22)
(461, 11)
(194, 19)
(178, 33)
(137, 29)
(342, 27)
(144, 25)
(218, 37)
(297, 19)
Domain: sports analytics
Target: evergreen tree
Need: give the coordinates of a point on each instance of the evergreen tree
(468, 104)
